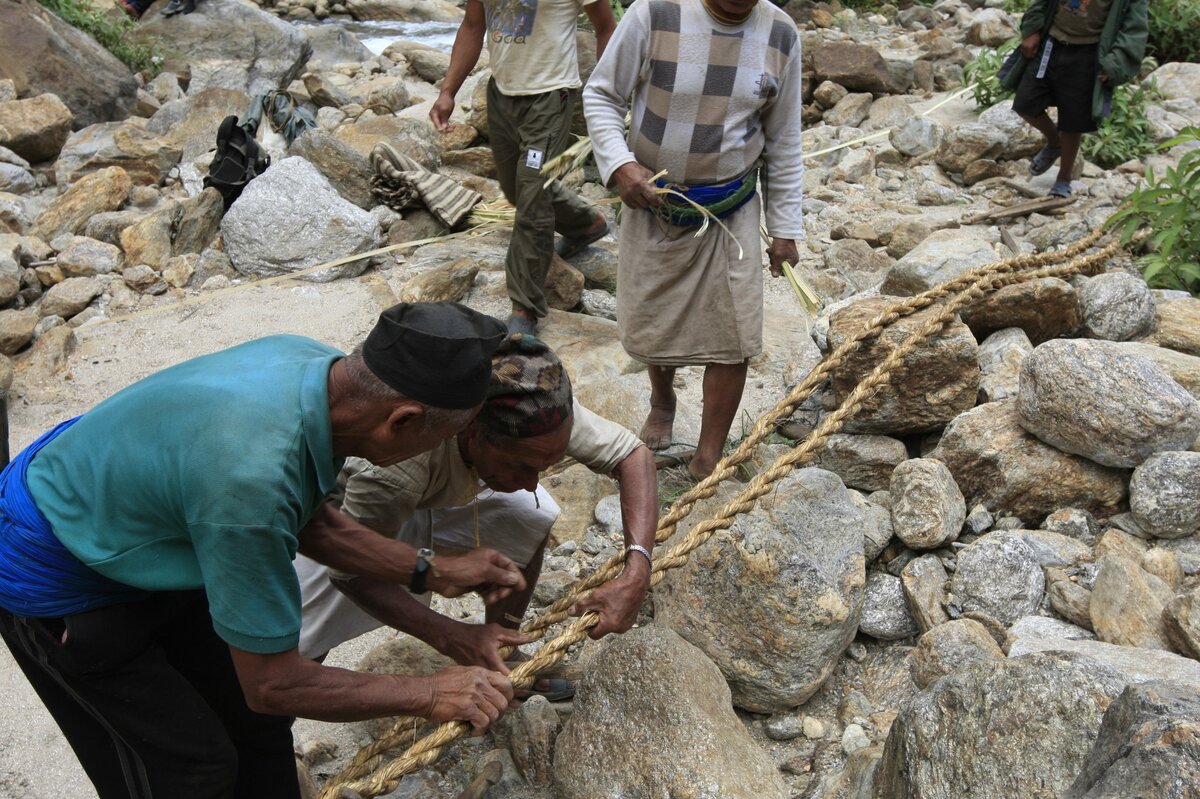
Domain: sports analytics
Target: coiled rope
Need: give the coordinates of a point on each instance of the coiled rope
(953, 296)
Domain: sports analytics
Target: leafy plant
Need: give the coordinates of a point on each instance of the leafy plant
(981, 75)
(618, 9)
(1125, 134)
(1170, 208)
(1173, 25)
(113, 32)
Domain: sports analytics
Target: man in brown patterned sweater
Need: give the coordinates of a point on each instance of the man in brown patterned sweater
(712, 87)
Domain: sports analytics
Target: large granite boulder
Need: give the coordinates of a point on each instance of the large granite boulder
(999, 575)
(232, 44)
(99, 192)
(191, 123)
(130, 144)
(1000, 357)
(1127, 604)
(347, 170)
(1184, 369)
(1164, 494)
(1133, 664)
(290, 218)
(35, 128)
(857, 67)
(1017, 727)
(1116, 307)
(1092, 399)
(42, 54)
(966, 144)
(996, 463)
(943, 256)
(1046, 308)
(932, 385)
(787, 577)
(948, 647)
(863, 462)
(1148, 745)
(1177, 325)
(928, 509)
(677, 738)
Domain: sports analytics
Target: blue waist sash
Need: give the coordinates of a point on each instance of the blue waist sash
(720, 200)
(39, 577)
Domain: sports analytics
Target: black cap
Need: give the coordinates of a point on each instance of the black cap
(438, 353)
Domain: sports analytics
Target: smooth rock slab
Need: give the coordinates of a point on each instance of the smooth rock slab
(996, 463)
(1133, 664)
(679, 739)
(999, 575)
(1164, 494)
(1092, 399)
(1017, 727)
(290, 218)
(787, 577)
(1184, 369)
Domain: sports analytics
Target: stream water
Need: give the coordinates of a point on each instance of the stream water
(378, 34)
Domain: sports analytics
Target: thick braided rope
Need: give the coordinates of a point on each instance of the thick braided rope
(769, 421)
(559, 610)
(979, 283)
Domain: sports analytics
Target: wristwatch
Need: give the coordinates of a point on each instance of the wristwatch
(421, 570)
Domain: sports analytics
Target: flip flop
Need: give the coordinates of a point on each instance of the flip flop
(1044, 159)
(1061, 189)
(568, 247)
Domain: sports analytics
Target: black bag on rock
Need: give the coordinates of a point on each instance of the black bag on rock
(238, 160)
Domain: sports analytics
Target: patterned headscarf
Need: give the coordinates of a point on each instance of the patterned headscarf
(529, 393)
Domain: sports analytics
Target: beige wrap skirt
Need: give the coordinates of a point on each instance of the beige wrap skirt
(683, 300)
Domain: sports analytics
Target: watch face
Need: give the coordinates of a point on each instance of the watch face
(425, 552)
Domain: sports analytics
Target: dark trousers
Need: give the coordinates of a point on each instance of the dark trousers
(516, 125)
(147, 696)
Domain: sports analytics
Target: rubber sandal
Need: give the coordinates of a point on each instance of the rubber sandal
(1061, 189)
(568, 247)
(1044, 159)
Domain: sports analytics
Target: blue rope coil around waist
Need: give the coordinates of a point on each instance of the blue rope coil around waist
(720, 200)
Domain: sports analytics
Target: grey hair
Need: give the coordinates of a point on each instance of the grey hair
(369, 389)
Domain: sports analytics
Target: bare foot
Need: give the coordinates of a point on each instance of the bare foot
(659, 427)
(701, 467)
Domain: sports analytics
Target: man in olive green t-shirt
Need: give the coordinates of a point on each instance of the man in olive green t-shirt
(531, 99)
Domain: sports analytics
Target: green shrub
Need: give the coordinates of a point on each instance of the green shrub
(981, 75)
(1126, 133)
(1170, 208)
(112, 31)
(1174, 26)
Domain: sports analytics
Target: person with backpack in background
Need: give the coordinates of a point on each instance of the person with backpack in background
(1079, 51)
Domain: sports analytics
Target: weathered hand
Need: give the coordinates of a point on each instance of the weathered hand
(440, 113)
(617, 601)
(484, 570)
(479, 645)
(467, 693)
(782, 250)
(633, 184)
(1029, 45)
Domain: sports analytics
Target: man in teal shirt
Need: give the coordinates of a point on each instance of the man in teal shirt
(146, 581)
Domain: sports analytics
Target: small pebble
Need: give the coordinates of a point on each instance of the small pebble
(854, 738)
(785, 727)
(814, 728)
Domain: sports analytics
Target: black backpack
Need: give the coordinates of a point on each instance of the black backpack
(238, 160)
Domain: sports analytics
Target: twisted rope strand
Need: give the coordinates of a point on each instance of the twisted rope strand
(962, 292)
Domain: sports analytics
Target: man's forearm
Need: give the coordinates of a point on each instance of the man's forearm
(397, 608)
(464, 54)
(288, 685)
(334, 539)
(639, 497)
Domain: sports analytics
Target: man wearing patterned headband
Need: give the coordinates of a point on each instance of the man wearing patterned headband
(713, 90)
(146, 582)
(481, 488)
